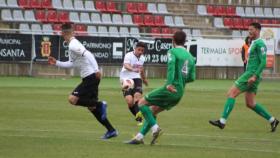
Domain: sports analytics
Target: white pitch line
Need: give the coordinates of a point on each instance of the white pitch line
(215, 136)
(168, 134)
(181, 145)
(223, 148)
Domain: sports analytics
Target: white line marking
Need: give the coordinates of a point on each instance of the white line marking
(182, 145)
(129, 133)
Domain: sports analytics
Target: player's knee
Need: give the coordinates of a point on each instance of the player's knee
(142, 102)
(231, 94)
(72, 99)
(129, 101)
(250, 105)
(130, 104)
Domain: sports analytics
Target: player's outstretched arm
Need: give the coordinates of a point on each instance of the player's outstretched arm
(53, 61)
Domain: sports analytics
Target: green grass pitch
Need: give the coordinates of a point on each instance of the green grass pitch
(36, 121)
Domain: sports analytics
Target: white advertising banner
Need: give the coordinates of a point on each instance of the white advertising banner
(277, 42)
(215, 52)
(270, 35)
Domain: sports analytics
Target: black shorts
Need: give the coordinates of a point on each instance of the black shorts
(137, 88)
(88, 88)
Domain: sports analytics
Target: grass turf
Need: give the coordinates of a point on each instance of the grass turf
(36, 121)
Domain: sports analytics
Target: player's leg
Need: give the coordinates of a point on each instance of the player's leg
(241, 85)
(149, 113)
(75, 95)
(100, 113)
(72, 99)
(132, 105)
(97, 112)
(260, 110)
(129, 101)
(80, 95)
(164, 100)
(83, 101)
(138, 91)
(148, 123)
(233, 92)
(137, 96)
(146, 127)
(156, 110)
(88, 96)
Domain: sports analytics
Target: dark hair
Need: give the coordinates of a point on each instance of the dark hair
(66, 27)
(179, 38)
(256, 25)
(141, 44)
(247, 40)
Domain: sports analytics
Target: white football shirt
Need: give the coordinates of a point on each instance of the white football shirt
(135, 62)
(80, 58)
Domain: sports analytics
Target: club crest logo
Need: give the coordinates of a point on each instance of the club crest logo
(46, 47)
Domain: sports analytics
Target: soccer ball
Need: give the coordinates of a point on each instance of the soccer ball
(127, 84)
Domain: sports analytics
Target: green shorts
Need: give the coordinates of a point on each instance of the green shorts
(161, 97)
(242, 83)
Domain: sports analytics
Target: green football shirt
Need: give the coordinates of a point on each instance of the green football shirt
(181, 67)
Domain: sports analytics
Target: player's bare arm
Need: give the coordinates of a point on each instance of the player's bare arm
(143, 76)
(130, 68)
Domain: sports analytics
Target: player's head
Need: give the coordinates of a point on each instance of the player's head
(179, 38)
(254, 30)
(139, 48)
(67, 31)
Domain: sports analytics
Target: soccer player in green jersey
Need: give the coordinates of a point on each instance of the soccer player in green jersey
(248, 82)
(181, 70)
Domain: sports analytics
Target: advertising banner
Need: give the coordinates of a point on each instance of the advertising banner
(156, 50)
(15, 47)
(269, 35)
(45, 46)
(105, 49)
(215, 52)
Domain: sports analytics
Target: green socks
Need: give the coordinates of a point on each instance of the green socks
(228, 107)
(149, 119)
(145, 128)
(259, 109)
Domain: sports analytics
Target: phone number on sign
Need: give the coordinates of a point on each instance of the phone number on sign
(156, 58)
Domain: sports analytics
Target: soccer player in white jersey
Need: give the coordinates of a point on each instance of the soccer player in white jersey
(133, 69)
(86, 93)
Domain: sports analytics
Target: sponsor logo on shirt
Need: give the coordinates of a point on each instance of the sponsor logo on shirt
(263, 49)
